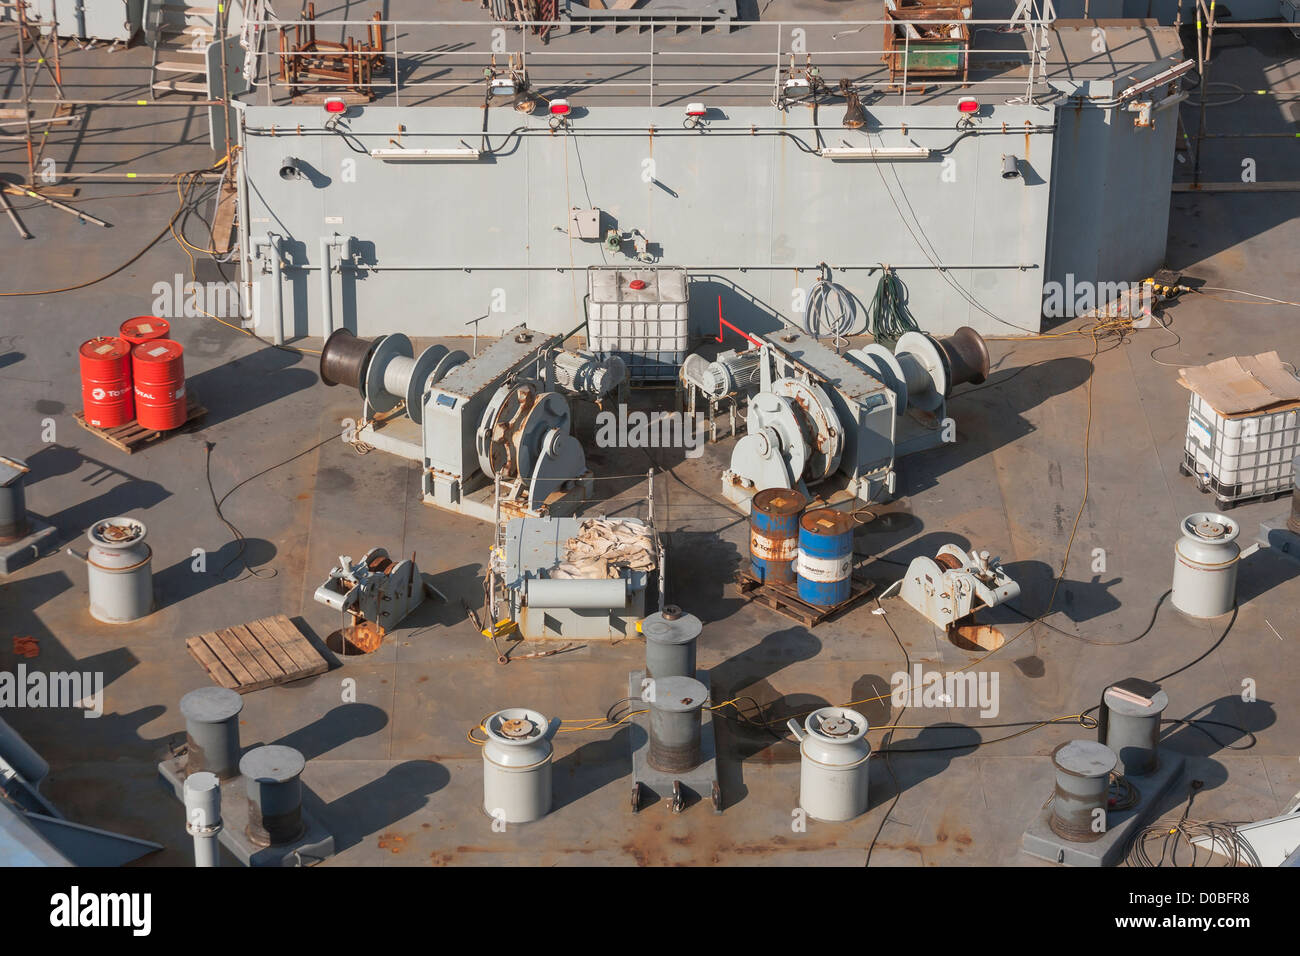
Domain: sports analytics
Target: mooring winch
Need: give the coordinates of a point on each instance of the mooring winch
(474, 421)
(818, 413)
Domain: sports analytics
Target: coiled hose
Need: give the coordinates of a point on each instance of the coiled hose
(889, 318)
(831, 309)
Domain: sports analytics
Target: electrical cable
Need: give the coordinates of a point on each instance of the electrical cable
(1268, 300)
(218, 503)
(1121, 793)
(1182, 834)
(236, 535)
(136, 256)
(1208, 94)
(292, 349)
(1210, 650)
(1155, 611)
(931, 253)
(889, 739)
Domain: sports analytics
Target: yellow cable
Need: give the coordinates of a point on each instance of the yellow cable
(186, 247)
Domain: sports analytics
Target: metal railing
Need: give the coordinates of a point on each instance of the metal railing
(643, 66)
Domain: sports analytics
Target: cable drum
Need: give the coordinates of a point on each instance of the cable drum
(385, 370)
(344, 358)
(967, 357)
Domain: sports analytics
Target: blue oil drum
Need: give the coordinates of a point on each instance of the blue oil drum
(825, 559)
(774, 534)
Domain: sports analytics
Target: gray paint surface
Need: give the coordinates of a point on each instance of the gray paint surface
(716, 201)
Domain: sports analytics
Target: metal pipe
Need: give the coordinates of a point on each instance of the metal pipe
(746, 130)
(222, 18)
(54, 203)
(629, 21)
(277, 298)
(203, 816)
(1293, 520)
(326, 286)
(26, 100)
(245, 229)
(271, 241)
(1201, 52)
(717, 267)
(188, 104)
(607, 594)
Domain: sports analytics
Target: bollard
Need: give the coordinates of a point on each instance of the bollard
(274, 794)
(675, 724)
(1082, 780)
(212, 731)
(670, 641)
(1132, 731)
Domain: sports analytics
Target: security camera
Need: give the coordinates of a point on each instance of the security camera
(1010, 166)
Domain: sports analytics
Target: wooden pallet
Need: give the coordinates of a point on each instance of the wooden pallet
(131, 437)
(785, 600)
(258, 654)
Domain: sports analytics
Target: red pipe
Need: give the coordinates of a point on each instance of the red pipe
(741, 332)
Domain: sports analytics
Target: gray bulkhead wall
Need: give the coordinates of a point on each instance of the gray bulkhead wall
(1111, 224)
(719, 200)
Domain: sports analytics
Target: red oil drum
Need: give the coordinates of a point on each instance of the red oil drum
(106, 382)
(158, 368)
(145, 328)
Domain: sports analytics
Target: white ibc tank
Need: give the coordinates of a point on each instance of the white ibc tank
(833, 770)
(517, 765)
(1205, 565)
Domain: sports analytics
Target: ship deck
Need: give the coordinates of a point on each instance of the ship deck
(1055, 434)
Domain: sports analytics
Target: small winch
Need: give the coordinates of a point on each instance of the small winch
(374, 594)
(955, 584)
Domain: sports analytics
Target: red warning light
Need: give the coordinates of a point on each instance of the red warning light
(560, 107)
(968, 104)
(636, 284)
(335, 104)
